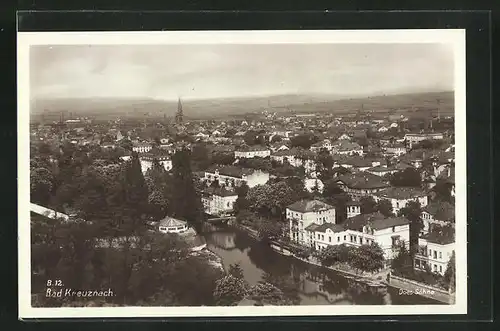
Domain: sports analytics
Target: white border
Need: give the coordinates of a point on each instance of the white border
(25, 40)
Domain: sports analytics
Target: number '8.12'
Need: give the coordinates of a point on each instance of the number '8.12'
(56, 282)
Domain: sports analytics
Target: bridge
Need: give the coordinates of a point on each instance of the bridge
(220, 220)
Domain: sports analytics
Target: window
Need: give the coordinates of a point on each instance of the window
(329, 239)
(430, 252)
(322, 237)
(435, 267)
(345, 237)
(319, 236)
(397, 205)
(393, 229)
(440, 269)
(435, 255)
(338, 239)
(440, 255)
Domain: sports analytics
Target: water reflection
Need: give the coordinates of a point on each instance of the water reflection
(303, 283)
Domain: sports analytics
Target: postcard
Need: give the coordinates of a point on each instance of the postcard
(242, 173)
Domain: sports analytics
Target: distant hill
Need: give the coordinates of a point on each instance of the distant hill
(112, 108)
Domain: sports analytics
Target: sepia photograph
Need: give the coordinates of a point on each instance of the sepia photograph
(242, 173)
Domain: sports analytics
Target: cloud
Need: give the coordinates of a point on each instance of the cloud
(205, 71)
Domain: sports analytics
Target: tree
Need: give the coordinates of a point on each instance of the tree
(186, 203)
(368, 205)
(410, 177)
(368, 258)
(268, 294)
(384, 206)
(402, 264)
(42, 185)
(229, 290)
(241, 202)
(304, 140)
(443, 190)
(449, 274)
(412, 211)
(330, 256)
(236, 271)
(270, 200)
(250, 137)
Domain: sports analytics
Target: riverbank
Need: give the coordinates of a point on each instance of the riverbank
(373, 280)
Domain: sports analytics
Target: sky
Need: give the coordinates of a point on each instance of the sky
(167, 72)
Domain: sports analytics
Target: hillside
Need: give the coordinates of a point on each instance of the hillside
(112, 108)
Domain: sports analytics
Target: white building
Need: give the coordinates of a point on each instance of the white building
(312, 184)
(437, 214)
(172, 225)
(218, 201)
(142, 147)
(231, 176)
(304, 213)
(435, 252)
(413, 138)
(346, 147)
(147, 162)
(399, 197)
(364, 229)
(394, 150)
(353, 209)
(252, 151)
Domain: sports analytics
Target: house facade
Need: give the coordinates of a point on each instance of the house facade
(147, 162)
(305, 213)
(435, 251)
(142, 147)
(399, 197)
(252, 151)
(218, 201)
(231, 176)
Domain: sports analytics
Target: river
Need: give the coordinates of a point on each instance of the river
(315, 285)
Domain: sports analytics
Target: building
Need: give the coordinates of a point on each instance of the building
(435, 251)
(353, 209)
(252, 151)
(141, 147)
(325, 144)
(314, 184)
(389, 233)
(361, 184)
(399, 197)
(363, 229)
(232, 176)
(346, 147)
(218, 201)
(394, 150)
(172, 225)
(147, 162)
(413, 138)
(381, 170)
(358, 163)
(305, 213)
(437, 213)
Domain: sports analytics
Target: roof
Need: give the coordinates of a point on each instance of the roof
(441, 238)
(362, 181)
(443, 211)
(358, 162)
(334, 227)
(231, 171)
(252, 148)
(389, 222)
(220, 191)
(305, 206)
(345, 145)
(171, 222)
(380, 169)
(400, 193)
(357, 222)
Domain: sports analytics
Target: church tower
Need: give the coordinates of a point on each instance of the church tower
(179, 116)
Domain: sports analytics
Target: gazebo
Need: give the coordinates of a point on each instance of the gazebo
(172, 225)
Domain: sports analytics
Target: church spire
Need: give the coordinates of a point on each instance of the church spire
(179, 116)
